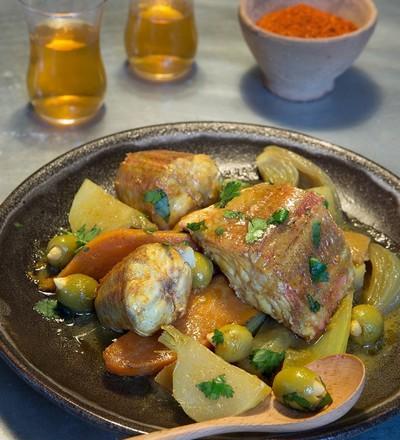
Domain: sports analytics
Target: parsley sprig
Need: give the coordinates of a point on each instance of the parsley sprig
(318, 270)
(159, 199)
(313, 304)
(197, 226)
(217, 337)
(219, 231)
(267, 361)
(48, 308)
(257, 226)
(316, 233)
(83, 236)
(229, 191)
(216, 388)
(233, 214)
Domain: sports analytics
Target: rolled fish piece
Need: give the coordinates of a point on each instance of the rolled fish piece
(147, 289)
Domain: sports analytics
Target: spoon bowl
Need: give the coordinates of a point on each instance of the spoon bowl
(344, 377)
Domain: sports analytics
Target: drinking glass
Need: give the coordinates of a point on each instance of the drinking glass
(161, 38)
(66, 78)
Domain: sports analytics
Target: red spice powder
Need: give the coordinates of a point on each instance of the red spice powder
(305, 21)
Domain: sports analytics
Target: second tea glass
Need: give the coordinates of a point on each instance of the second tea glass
(161, 38)
(66, 78)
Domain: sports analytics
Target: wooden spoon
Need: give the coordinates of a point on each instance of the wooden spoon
(344, 377)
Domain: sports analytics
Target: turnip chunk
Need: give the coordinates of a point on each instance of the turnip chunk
(197, 364)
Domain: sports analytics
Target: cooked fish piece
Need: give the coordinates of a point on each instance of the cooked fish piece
(147, 289)
(272, 242)
(166, 184)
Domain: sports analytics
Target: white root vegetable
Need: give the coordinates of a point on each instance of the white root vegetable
(93, 206)
(196, 364)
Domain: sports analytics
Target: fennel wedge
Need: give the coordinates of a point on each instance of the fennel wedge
(205, 385)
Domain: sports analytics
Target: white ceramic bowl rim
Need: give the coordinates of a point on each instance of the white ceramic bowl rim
(370, 22)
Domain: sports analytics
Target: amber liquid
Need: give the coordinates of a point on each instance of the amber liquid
(66, 78)
(160, 41)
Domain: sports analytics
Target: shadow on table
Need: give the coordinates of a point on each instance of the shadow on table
(25, 415)
(356, 98)
(131, 83)
(29, 129)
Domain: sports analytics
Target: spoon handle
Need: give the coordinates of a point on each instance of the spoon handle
(196, 430)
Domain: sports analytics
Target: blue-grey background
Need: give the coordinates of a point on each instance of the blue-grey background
(363, 114)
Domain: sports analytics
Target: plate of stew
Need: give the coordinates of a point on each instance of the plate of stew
(63, 358)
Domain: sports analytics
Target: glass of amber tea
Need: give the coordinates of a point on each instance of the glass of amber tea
(161, 38)
(66, 78)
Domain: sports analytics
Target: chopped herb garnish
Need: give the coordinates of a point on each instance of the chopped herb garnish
(326, 400)
(257, 226)
(316, 233)
(266, 361)
(197, 226)
(313, 304)
(83, 236)
(219, 231)
(233, 214)
(326, 203)
(18, 225)
(318, 271)
(48, 308)
(278, 217)
(216, 388)
(300, 401)
(255, 230)
(159, 199)
(150, 230)
(217, 337)
(229, 191)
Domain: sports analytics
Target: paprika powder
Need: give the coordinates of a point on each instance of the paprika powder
(305, 21)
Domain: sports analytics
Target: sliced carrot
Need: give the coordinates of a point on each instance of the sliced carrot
(107, 249)
(213, 307)
(134, 355)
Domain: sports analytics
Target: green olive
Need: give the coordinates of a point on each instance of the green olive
(202, 271)
(77, 292)
(61, 249)
(301, 389)
(366, 324)
(235, 343)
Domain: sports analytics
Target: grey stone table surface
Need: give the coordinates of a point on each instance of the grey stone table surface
(361, 114)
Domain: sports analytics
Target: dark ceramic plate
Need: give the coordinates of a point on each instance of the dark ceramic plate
(56, 361)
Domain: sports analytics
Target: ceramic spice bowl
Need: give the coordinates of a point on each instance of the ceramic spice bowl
(304, 69)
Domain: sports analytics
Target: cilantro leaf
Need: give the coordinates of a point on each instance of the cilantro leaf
(219, 231)
(229, 191)
(316, 233)
(313, 304)
(197, 226)
(278, 217)
(266, 361)
(255, 230)
(217, 337)
(216, 388)
(48, 308)
(326, 400)
(301, 402)
(18, 225)
(326, 203)
(83, 236)
(159, 199)
(233, 214)
(318, 271)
